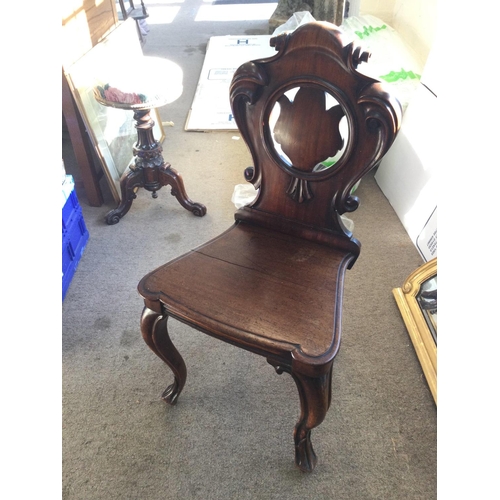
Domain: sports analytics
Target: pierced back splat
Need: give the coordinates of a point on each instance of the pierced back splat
(308, 108)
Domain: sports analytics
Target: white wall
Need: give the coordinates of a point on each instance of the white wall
(414, 20)
(382, 9)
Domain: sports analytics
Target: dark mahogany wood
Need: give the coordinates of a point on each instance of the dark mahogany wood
(150, 172)
(82, 147)
(273, 282)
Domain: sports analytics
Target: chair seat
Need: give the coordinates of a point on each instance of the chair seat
(273, 292)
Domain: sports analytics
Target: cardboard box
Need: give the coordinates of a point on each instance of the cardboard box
(211, 108)
(407, 174)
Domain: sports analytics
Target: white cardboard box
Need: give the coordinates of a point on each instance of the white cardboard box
(211, 108)
(407, 174)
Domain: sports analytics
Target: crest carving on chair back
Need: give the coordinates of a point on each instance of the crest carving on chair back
(314, 126)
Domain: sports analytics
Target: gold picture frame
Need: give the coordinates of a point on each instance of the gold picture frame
(417, 302)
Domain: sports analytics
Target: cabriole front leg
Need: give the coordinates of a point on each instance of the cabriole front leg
(315, 394)
(315, 397)
(155, 333)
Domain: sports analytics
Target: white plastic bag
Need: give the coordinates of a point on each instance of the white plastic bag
(294, 22)
(392, 61)
(243, 194)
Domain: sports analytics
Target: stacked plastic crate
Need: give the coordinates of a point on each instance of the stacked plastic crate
(74, 233)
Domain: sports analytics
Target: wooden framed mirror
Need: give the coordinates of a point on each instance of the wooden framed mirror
(417, 302)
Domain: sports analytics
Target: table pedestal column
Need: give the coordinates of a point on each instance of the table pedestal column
(150, 171)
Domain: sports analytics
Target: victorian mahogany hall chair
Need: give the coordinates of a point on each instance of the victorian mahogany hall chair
(273, 282)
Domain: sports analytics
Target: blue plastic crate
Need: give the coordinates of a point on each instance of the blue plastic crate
(70, 208)
(74, 239)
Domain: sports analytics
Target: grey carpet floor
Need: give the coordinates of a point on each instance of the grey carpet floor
(230, 435)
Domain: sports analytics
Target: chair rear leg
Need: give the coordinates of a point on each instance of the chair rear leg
(155, 333)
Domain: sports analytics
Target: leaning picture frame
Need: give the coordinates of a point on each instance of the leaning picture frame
(112, 130)
(417, 302)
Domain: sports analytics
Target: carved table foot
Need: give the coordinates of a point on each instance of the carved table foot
(169, 176)
(129, 182)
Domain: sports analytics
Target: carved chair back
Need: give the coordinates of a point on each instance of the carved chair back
(314, 126)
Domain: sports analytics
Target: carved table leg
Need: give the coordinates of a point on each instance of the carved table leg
(169, 176)
(155, 333)
(129, 181)
(150, 172)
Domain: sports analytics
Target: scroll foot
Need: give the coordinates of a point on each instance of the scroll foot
(169, 176)
(171, 393)
(129, 181)
(305, 457)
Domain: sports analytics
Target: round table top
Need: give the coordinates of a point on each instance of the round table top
(147, 83)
